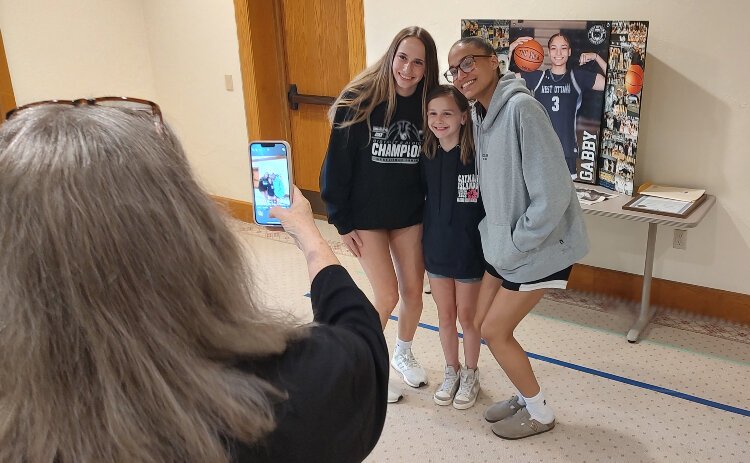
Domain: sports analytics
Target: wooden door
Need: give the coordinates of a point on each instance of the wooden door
(318, 45)
(317, 58)
(7, 100)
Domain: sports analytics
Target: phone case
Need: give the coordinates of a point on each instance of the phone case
(269, 187)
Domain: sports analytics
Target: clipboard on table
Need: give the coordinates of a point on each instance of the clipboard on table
(663, 206)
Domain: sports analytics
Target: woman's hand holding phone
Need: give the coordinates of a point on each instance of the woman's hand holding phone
(297, 219)
(298, 222)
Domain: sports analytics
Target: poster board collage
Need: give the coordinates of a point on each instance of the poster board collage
(589, 77)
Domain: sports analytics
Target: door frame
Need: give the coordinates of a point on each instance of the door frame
(7, 97)
(261, 49)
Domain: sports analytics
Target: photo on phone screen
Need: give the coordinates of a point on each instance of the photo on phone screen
(270, 163)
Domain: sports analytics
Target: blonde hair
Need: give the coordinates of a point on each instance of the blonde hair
(466, 140)
(376, 84)
(124, 297)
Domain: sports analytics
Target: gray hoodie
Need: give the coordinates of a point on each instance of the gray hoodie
(534, 225)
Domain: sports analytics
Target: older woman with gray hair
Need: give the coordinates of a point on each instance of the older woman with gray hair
(129, 331)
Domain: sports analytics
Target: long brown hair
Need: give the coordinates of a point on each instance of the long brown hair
(376, 84)
(466, 139)
(124, 297)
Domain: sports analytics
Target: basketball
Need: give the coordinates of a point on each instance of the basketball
(528, 56)
(634, 79)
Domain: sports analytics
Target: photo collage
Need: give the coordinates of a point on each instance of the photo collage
(589, 77)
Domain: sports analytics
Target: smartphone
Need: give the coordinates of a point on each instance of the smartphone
(271, 167)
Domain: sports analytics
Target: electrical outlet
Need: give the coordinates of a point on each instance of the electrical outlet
(680, 239)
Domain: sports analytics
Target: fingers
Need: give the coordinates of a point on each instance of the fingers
(300, 201)
(519, 41)
(356, 238)
(586, 57)
(353, 242)
(296, 193)
(278, 212)
(354, 251)
(353, 248)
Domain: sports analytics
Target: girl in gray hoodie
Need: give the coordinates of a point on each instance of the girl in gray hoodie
(533, 231)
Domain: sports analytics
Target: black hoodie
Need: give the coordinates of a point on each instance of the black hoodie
(370, 177)
(451, 241)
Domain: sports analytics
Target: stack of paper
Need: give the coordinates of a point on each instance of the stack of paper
(667, 200)
(673, 192)
(589, 196)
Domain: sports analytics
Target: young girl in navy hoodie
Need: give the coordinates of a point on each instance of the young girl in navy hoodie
(451, 242)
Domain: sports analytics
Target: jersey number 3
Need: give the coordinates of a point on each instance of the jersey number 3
(555, 103)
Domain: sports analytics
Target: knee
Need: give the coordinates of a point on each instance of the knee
(386, 301)
(412, 294)
(466, 317)
(447, 323)
(495, 335)
(486, 332)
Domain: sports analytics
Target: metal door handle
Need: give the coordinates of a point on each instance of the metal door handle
(295, 98)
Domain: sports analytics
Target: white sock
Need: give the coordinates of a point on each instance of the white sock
(521, 400)
(402, 346)
(538, 409)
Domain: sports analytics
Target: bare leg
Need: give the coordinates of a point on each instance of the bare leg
(444, 294)
(406, 249)
(376, 262)
(466, 304)
(487, 292)
(506, 311)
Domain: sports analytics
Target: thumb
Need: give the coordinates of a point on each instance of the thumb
(278, 212)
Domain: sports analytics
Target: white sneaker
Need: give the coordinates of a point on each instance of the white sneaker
(412, 372)
(446, 391)
(394, 395)
(468, 390)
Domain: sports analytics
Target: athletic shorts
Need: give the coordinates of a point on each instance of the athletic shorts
(460, 280)
(558, 280)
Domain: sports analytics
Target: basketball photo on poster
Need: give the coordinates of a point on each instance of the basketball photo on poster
(564, 64)
(589, 76)
(494, 31)
(622, 105)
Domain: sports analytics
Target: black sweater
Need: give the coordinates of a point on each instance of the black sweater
(370, 178)
(450, 240)
(336, 379)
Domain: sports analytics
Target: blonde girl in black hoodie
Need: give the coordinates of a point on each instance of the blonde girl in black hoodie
(370, 182)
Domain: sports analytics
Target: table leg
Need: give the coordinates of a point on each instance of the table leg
(646, 312)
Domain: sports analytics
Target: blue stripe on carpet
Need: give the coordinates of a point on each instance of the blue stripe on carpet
(621, 379)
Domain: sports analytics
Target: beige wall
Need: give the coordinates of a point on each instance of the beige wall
(65, 49)
(175, 52)
(696, 108)
(694, 125)
(193, 45)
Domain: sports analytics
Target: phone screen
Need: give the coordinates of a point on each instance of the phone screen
(270, 165)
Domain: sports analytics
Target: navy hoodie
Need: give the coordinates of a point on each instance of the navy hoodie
(450, 240)
(370, 177)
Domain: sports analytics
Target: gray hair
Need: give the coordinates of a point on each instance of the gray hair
(124, 298)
